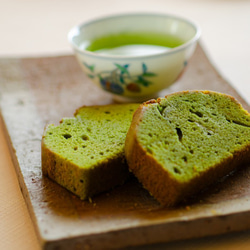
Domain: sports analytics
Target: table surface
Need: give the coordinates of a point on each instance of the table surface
(39, 28)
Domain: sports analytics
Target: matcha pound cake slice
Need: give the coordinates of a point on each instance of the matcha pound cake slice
(179, 144)
(85, 153)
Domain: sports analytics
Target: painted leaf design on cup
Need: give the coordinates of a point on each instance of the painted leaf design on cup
(119, 78)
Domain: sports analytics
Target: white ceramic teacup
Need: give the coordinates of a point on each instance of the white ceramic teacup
(134, 56)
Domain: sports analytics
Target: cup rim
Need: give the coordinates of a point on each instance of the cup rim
(77, 29)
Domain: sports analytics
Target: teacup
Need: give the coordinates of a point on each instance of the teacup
(134, 56)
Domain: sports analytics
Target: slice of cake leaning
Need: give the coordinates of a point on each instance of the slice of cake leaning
(179, 144)
(85, 153)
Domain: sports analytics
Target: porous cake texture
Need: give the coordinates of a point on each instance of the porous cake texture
(85, 153)
(179, 144)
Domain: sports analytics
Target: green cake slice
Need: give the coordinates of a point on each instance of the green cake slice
(85, 153)
(179, 144)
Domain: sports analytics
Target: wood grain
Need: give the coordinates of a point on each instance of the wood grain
(38, 91)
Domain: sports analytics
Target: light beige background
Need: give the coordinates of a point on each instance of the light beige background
(37, 28)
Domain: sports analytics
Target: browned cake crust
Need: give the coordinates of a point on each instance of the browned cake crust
(168, 186)
(85, 153)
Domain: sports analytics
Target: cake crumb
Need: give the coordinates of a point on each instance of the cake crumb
(214, 212)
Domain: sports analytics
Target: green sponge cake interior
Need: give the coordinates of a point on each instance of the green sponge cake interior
(178, 144)
(85, 153)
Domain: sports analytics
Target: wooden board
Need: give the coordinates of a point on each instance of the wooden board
(38, 91)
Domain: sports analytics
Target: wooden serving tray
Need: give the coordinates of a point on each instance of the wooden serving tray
(38, 91)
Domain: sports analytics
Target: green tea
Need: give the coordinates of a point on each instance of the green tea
(134, 43)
